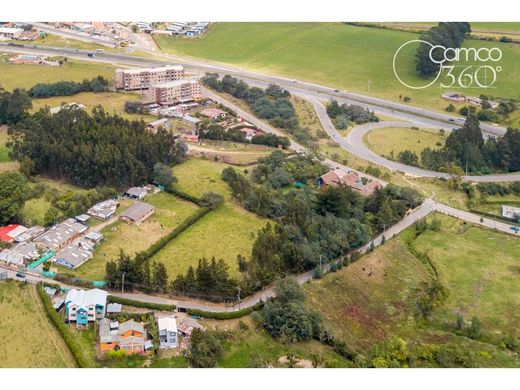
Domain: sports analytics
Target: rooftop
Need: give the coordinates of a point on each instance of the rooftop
(177, 68)
(174, 83)
(137, 211)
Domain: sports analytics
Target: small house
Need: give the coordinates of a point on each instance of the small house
(168, 333)
(83, 306)
(136, 193)
(137, 213)
(213, 113)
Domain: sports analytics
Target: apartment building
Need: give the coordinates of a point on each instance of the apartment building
(177, 91)
(142, 78)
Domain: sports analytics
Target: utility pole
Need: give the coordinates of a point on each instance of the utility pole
(238, 295)
(320, 262)
(123, 283)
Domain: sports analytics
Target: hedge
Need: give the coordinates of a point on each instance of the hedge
(185, 196)
(147, 305)
(161, 243)
(225, 315)
(62, 328)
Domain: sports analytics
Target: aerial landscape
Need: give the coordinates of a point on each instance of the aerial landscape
(259, 195)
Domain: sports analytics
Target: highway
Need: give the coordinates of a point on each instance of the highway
(354, 144)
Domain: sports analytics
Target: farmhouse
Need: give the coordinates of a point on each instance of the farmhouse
(213, 113)
(60, 235)
(351, 179)
(137, 213)
(104, 210)
(136, 193)
(168, 332)
(155, 125)
(83, 306)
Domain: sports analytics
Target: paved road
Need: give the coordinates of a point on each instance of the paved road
(354, 144)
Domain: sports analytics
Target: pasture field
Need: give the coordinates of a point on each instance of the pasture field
(28, 338)
(353, 58)
(376, 298)
(223, 233)
(112, 102)
(169, 213)
(391, 141)
(59, 41)
(25, 76)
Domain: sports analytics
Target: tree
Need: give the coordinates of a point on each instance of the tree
(212, 200)
(286, 316)
(205, 349)
(392, 353)
(13, 105)
(163, 175)
(13, 193)
(474, 330)
(160, 276)
(450, 108)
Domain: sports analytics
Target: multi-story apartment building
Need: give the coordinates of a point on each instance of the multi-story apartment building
(171, 92)
(142, 78)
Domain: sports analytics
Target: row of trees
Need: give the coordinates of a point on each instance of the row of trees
(13, 194)
(466, 149)
(218, 133)
(342, 115)
(97, 149)
(447, 34)
(13, 105)
(69, 88)
(273, 103)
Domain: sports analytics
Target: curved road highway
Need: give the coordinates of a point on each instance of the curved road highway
(354, 144)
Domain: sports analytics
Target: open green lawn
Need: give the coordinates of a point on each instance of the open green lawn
(391, 141)
(4, 150)
(27, 337)
(375, 298)
(335, 54)
(59, 41)
(25, 76)
(170, 212)
(112, 102)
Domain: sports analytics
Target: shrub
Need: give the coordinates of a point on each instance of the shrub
(148, 305)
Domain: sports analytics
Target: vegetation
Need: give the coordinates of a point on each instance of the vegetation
(273, 104)
(90, 150)
(375, 305)
(206, 348)
(68, 88)
(447, 34)
(22, 343)
(13, 105)
(13, 193)
(147, 305)
(343, 115)
(285, 317)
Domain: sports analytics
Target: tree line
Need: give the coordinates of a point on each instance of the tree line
(69, 88)
(466, 149)
(447, 34)
(272, 104)
(218, 133)
(97, 149)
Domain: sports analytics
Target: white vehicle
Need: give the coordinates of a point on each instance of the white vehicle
(100, 51)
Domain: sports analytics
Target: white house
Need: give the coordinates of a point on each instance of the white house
(83, 306)
(168, 334)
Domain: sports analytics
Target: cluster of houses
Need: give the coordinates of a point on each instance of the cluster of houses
(18, 31)
(187, 29)
(83, 308)
(69, 243)
(460, 98)
(30, 59)
(112, 33)
(338, 177)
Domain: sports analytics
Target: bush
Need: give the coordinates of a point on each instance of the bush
(62, 328)
(148, 305)
(226, 315)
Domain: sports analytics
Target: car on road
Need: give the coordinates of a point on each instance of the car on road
(515, 229)
(336, 90)
(20, 275)
(451, 120)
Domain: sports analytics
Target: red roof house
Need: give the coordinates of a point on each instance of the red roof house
(9, 232)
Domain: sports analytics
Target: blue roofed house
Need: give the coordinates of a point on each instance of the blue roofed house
(83, 306)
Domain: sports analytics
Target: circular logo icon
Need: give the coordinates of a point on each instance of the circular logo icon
(395, 69)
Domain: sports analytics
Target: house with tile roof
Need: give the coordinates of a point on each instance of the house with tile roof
(351, 179)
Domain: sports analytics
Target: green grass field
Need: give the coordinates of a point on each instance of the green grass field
(25, 76)
(112, 102)
(224, 233)
(391, 141)
(27, 337)
(170, 212)
(59, 41)
(335, 54)
(375, 298)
